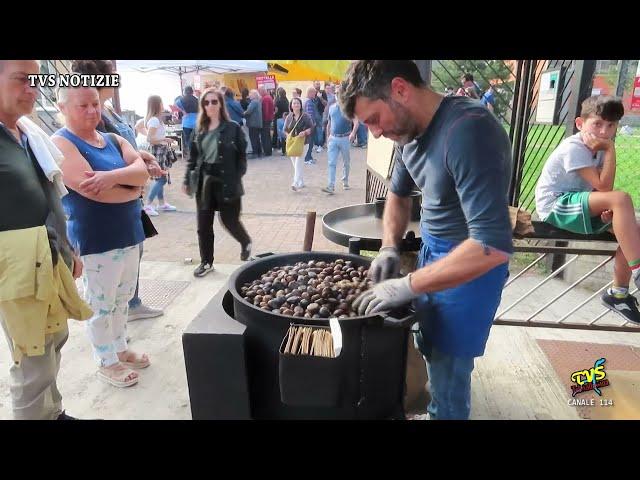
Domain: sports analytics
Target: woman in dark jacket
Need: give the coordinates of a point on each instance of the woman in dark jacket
(214, 175)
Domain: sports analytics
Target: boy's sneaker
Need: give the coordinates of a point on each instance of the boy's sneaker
(152, 212)
(319, 149)
(635, 276)
(626, 307)
(328, 190)
(346, 186)
(202, 269)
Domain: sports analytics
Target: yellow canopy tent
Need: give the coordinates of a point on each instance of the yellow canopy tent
(323, 70)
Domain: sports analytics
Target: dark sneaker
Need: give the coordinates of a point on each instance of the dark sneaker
(246, 252)
(64, 416)
(626, 307)
(328, 190)
(202, 269)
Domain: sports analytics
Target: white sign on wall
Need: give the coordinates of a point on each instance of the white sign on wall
(548, 96)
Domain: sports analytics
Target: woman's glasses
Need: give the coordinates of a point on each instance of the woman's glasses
(212, 102)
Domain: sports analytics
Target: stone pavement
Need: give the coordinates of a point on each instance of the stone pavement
(273, 214)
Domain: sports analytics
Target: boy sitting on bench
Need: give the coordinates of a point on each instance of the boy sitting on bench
(575, 193)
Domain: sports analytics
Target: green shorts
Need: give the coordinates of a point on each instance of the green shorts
(571, 212)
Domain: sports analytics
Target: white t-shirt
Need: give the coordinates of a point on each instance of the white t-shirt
(159, 126)
(560, 175)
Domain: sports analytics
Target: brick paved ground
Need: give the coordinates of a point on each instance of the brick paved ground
(273, 214)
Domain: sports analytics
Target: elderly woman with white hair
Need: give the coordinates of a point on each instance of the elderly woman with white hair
(105, 176)
(253, 115)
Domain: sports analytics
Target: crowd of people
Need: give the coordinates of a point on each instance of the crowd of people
(90, 215)
(470, 88)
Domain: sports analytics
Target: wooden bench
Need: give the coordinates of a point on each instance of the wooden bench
(546, 231)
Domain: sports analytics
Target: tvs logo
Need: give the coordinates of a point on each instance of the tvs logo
(588, 380)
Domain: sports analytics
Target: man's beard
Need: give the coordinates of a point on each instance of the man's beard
(407, 129)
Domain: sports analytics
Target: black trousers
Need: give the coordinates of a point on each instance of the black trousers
(275, 141)
(254, 138)
(266, 140)
(230, 218)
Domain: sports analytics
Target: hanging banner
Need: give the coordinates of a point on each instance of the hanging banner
(268, 82)
(635, 93)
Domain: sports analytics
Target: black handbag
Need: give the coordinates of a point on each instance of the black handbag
(170, 157)
(147, 225)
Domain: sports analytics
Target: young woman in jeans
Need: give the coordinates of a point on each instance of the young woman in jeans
(156, 137)
(298, 124)
(214, 174)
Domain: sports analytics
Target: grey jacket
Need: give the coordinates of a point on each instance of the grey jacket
(254, 114)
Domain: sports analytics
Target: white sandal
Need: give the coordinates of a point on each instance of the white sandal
(120, 378)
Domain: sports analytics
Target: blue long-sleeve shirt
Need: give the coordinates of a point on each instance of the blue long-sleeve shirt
(234, 109)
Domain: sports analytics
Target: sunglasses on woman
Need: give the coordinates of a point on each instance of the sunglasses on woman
(212, 102)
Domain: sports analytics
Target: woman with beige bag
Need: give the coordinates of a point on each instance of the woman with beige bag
(297, 127)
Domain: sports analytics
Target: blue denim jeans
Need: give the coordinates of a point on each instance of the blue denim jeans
(186, 141)
(337, 146)
(319, 133)
(449, 383)
(157, 190)
(363, 134)
(454, 328)
(308, 156)
(136, 301)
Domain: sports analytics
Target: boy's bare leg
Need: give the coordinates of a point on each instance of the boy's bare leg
(621, 270)
(624, 220)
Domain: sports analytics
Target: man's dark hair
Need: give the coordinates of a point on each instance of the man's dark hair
(468, 77)
(604, 106)
(92, 67)
(188, 90)
(229, 93)
(372, 79)
(299, 91)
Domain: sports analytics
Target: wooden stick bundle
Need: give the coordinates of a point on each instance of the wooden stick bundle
(316, 342)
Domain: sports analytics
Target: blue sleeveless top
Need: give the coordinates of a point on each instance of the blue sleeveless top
(96, 227)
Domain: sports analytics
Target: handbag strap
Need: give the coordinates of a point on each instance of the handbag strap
(294, 127)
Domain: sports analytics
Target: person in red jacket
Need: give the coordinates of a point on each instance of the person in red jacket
(268, 112)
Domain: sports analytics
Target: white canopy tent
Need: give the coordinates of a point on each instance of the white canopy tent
(180, 67)
(141, 78)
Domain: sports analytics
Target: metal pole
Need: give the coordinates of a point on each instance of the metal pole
(116, 94)
(309, 229)
(622, 75)
(521, 107)
(354, 245)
